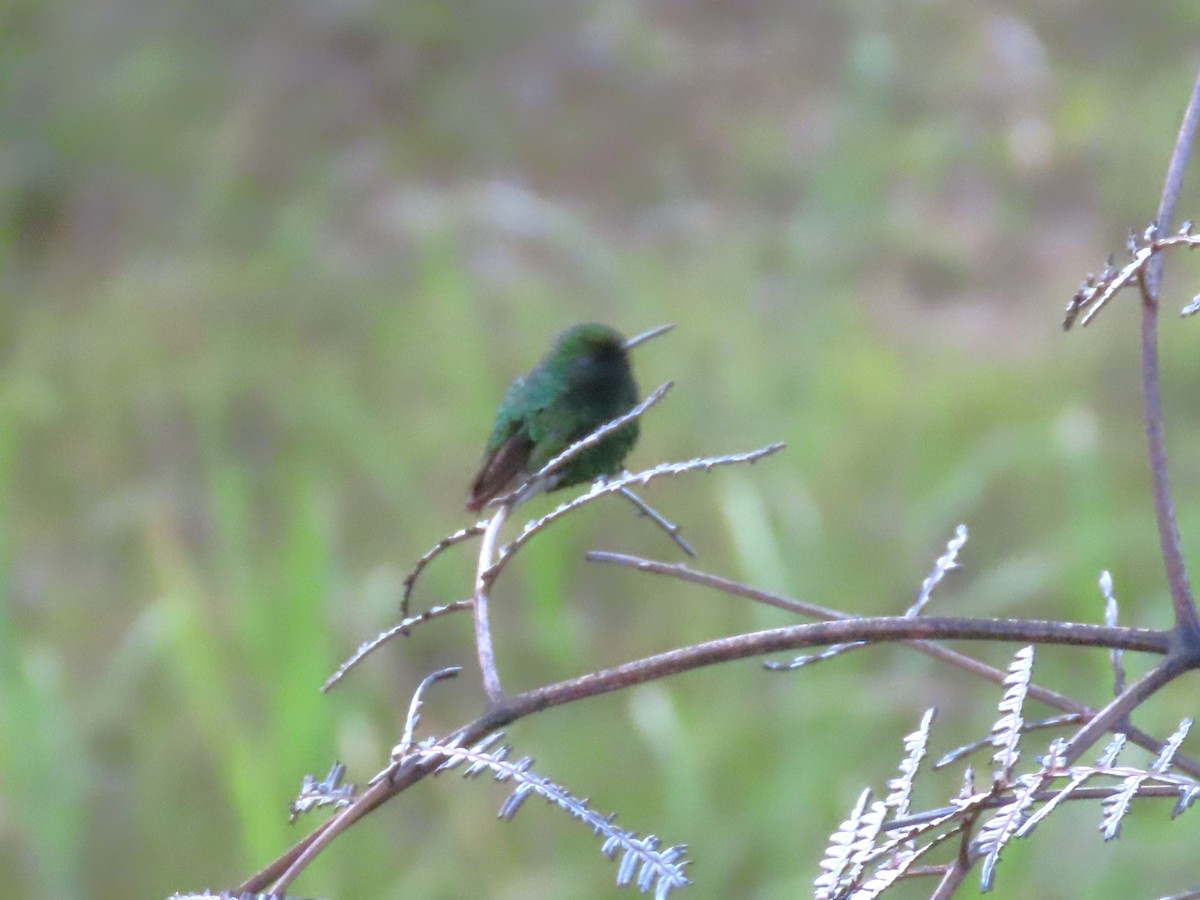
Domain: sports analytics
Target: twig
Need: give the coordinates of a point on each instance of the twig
(483, 628)
(671, 528)
(958, 753)
(1160, 787)
(367, 648)
(1184, 604)
(410, 580)
(1111, 614)
(956, 873)
(1120, 707)
(414, 709)
(600, 489)
(946, 563)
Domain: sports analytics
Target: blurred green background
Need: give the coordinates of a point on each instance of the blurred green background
(265, 270)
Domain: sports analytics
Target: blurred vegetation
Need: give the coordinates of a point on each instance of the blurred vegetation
(266, 268)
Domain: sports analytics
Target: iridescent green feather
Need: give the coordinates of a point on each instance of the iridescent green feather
(584, 382)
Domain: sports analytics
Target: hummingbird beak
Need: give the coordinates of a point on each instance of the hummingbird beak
(647, 335)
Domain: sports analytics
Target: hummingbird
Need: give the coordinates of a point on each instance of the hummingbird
(582, 383)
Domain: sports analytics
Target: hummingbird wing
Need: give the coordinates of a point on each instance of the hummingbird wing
(500, 469)
(510, 445)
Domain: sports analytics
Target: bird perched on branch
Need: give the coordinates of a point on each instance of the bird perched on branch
(582, 383)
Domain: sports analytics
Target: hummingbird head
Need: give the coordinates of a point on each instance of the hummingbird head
(594, 362)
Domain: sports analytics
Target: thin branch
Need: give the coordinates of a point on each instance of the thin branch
(1173, 185)
(671, 528)
(946, 563)
(965, 750)
(414, 708)
(1120, 707)
(616, 485)
(1161, 789)
(726, 585)
(1111, 615)
(368, 647)
(956, 872)
(483, 628)
(1186, 619)
(808, 659)
(410, 580)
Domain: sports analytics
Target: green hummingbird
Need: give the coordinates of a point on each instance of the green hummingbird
(584, 381)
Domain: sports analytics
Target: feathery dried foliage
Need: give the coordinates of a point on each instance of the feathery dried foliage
(659, 869)
(330, 792)
(916, 748)
(1006, 733)
(879, 842)
(943, 566)
(1112, 613)
(1097, 290)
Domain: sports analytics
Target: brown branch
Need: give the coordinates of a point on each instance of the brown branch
(1120, 707)
(1164, 504)
(936, 651)
(672, 529)
(742, 646)
(410, 580)
(956, 872)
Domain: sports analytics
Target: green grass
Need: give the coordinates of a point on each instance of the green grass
(265, 273)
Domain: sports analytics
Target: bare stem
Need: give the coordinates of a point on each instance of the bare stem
(483, 628)
(956, 874)
(410, 580)
(1184, 604)
(812, 610)
(1120, 707)
(671, 528)
(615, 485)
(369, 647)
